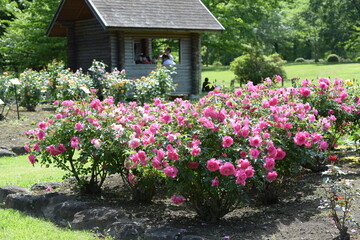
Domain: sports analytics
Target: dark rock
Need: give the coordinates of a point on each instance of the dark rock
(63, 212)
(19, 150)
(163, 233)
(31, 204)
(11, 189)
(6, 153)
(193, 237)
(99, 218)
(126, 231)
(45, 185)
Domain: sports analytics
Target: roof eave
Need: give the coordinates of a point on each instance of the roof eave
(48, 30)
(150, 29)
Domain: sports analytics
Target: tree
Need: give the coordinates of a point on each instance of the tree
(240, 19)
(24, 44)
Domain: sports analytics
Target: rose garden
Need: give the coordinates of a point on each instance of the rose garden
(213, 155)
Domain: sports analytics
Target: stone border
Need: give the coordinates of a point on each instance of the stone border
(68, 211)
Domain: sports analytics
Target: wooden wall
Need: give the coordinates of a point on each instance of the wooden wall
(92, 42)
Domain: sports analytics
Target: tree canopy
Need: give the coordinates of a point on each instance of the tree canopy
(311, 29)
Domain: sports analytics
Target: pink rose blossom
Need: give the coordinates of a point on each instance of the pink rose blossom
(173, 155)
(323, 145)
(134, 143)
(171, 171)
(249, 172)
(255, 152)
(300, 138)
(212, 165)
(96, 142)
(177, 199)
(215, 182)
(193, 165)
(41, 135)
(195, 151)
(271, 176)
(255, 141)
(32, 159)
(156, 164)
(27, 148)
(280, 154)
(132, 179)
(241, 177)
(79, 126)
(269, 164)
(42, 125)
(227, 169)
(227, 141)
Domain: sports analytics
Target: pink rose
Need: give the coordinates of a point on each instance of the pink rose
(227, 141)
(280, 154)
(227, 169)
(255, 152)
(171, 171)
(32, 159)
(271, 176)
(96, 143)
(79, 126)
(173, 155)
(300, 138)
(134, 143)
(195, 151)
(212, 165)
(177, 199)
(42, 125)
(305, 92)
(215, 182)
(193, 165)
(27, 148)
(241, 177)
(255, 141)
(269, 164)
(323, 145)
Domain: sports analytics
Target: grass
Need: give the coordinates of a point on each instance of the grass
(223, 76)
(19, 171)
(16, 225)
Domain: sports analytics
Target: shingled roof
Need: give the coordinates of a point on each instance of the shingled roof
(185, 15)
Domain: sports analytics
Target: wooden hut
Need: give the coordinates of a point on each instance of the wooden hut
(117, 32)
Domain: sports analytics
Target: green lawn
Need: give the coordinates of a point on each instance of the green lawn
(16, 225)
(223, 76)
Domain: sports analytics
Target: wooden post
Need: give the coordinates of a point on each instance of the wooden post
(114, 50)
(195, 63)
(121, 50)
(71, 46)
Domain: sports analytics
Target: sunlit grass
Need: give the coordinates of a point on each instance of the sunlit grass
(222, 75)
(16, 225)
(19, 171)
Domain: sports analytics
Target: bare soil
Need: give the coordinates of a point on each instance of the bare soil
(296, 216)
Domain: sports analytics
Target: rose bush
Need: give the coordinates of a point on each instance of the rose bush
(209, 153)
(338, 100)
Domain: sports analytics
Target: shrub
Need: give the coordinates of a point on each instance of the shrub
(217, 64)
(276, 58)
(31, 89)
(357, 59)
(333, 58)
(158, 83)
(299, 60)
(255, 67)
(209, 153)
